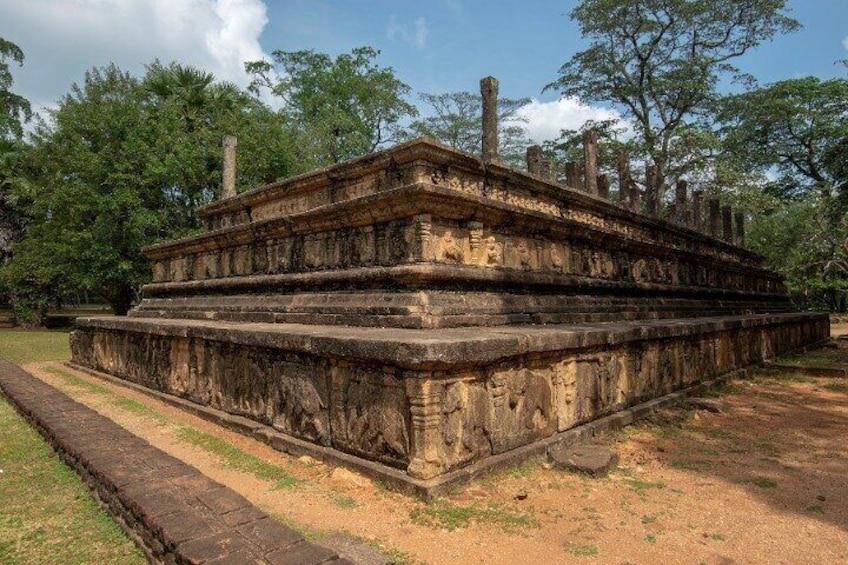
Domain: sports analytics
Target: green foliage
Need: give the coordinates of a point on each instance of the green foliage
(123, 163)
(659, 62)
(798, 127)
(457, 119)
(14, 108)
(801, 239)
(343, 107)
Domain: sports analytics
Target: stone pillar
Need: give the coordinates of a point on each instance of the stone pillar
(633, 195)
(489, 93)
(425, 430)
(475, 238)
(623, 167)
(548, 171)
(229, 174)
(651, 174)
(572, 175)
(603, 186)
(697, 220)
(534, 160)
(727, 224)
(715, 216)
(680, 202)
(423, 237)
(739, 220)
(590, 160)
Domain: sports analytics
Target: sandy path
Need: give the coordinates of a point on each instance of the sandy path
(763, 482)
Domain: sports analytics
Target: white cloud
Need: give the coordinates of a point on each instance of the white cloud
(845, 42)
(546, 119)
(415, 35)
(63, 38)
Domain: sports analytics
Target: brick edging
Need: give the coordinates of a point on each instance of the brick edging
(170, 509)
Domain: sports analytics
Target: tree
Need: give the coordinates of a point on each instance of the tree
(659, 62)
(14, 111)
(122, 164)
(345, 107)
(806, 239)
(14, 108)
(796, 131)
(797, 127)
(456, 120)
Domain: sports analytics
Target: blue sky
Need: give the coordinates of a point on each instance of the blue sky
(435, 46)
(522, 43)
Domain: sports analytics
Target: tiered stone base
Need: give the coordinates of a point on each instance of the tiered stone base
(431, 402)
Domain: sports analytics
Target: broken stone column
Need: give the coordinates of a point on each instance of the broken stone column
(697, 221)
(489, 93)
(727, 224)
(590, 160)
(548, 171)
(572, 175)
(715, 215)
(623, 167)
(739, 218)
(535, 157)
(603, 186)
(651, 174)
(680, 193)
(633, 195)
(228, 189)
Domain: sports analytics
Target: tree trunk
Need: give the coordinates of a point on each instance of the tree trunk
(121, 299)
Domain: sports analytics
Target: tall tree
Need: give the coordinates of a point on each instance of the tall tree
(456, 120)
(122, 164)
(14, 111)
(346, 107)
(795, 132)
(660, 61)
(14, 108)
(798, 127)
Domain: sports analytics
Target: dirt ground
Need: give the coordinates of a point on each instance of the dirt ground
(762, 482)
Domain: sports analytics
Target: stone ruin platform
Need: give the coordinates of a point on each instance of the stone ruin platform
(425, 311)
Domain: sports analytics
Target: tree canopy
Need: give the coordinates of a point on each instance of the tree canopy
(344, 107)
(14, 108)
(456, 120)
(798, 127)
(660, 63)
(122, 163)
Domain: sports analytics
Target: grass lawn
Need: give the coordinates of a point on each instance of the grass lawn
(46, 513)
(22, 347)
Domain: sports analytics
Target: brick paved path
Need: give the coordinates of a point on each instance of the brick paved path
(173, 511)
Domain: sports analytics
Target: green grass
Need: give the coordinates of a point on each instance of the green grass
(641, 486)
(235, 458)
(450, 516)
(23, 347)
(345, 502)
(816, 509)
(650, 538)
(762, 482)
(74, 380)
(717, 536)
(581, 550)
(836, 386)
(647, 519)
(46, 513)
